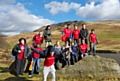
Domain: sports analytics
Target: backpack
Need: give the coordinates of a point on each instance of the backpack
(63, 38)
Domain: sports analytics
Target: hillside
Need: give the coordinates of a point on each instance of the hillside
(107, 32)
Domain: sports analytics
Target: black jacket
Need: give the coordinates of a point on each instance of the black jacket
(45, 53)
(83, 33)
(17, 47)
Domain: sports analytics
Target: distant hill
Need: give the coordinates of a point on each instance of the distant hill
(108, 33)
(3, 43)
(61, 25)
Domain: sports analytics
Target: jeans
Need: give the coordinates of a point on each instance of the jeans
(38, 65)
(66, 59)
(47, 70)
(76, 42)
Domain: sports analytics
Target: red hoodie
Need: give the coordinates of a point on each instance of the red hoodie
(35, 55)
(38, 39)
(76, 34)
(49, 61)
(93, 38)
(21, 55)
(67, 32)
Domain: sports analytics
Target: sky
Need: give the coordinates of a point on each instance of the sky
(18, 16)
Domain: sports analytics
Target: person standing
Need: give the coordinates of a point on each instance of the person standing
(47, 35)
(68, 33)
(38, 38)
(93, 41)
(76, 34)
(36, 60)
(84, 33)
(21, 51)
(48, 62)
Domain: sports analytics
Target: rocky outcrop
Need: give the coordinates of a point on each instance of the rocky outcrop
(92, 67)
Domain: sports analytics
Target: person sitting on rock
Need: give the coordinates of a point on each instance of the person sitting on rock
(83, 49)
(59, 54)
(66, 54)
(74, 53)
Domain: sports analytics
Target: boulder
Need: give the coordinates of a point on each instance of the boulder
(92, 67)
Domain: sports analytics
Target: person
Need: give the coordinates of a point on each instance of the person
(84, 33)
(66, 54)
(59, 51)
(68, 33)
(36, 60)
(93, 41)
(74, 52)
(47, 35)
(76, 34)
(38, 38)
(21, 51)
(83, 49)
(49, 61)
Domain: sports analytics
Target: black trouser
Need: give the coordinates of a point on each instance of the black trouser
(68, 39)
(20, 64)
(86, 41)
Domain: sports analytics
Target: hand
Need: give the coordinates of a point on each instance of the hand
(19, 51)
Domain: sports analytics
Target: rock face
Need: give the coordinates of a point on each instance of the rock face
(92, 67)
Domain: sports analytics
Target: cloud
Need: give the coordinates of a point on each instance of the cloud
(107, 9)
(56, 7)
(94, 9)
(16, 18)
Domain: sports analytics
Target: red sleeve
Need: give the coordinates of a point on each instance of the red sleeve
(34, 36)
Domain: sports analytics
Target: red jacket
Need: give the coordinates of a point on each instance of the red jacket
(49, 61)
(83, 48)
(21, 55)
(67, 32)
(93, 38)
(35, 55)
(76, 34)
(38, 39)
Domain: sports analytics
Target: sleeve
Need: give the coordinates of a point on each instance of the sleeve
(45, 33)
(90, 38)
(28, 51)
(38, 51)
(81, 34)
(15, 50)
(71, 36)
(96, 39)
(86, 33)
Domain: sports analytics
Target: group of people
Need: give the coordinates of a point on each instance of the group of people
(71, 52)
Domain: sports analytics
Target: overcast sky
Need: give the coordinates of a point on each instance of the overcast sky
(18, 16)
